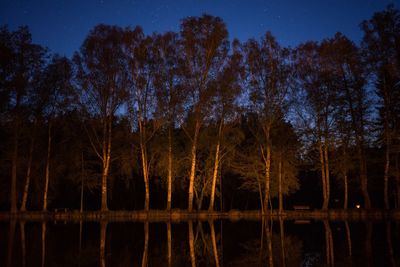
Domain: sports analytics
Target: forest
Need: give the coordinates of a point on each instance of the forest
(198, 120)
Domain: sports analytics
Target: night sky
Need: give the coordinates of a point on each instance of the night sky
(62, 25)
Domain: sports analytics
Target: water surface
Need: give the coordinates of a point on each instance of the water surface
(207, 243)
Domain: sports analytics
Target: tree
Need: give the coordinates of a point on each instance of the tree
(142, 96)
(55, 90)
(380, 44)
(102, 81)
(227, 88)
(353, 116)
(170, 99)
(21, 60)
(204, 43)
(268, 80)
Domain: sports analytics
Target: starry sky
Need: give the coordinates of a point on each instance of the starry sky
(62, 25)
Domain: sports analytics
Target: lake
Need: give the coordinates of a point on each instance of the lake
(201, 243)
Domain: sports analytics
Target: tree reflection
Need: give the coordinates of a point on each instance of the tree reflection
(191, 244)
(388, 228)
(169, 240)
(146, 245)
(10, 243)
(368, 244)
(103, 233)
(44, 229)
(23, 248)
(329, 244)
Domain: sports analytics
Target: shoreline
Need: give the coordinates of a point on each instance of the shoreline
(184, 215)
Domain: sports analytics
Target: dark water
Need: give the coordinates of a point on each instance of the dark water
(207, 243)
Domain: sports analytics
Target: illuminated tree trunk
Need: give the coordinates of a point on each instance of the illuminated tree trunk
(346, 191)
(323, 173)
(327, 176)
(28, 170)
(145, 163)
(193, 166)
(106, 161)
(47, 171)
(146, 244)
(267, 162)
(216, 166)
(169, 195)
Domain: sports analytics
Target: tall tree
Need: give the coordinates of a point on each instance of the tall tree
(381, 44)
(55, 90)
(205, 46)
(21, 60)
(102, 80)
(170, 99)
(268, 81)
(227, 88)
(353, 101)
(317, 105)
(142, 103)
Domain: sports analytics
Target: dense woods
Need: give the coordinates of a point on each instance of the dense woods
(196, 120)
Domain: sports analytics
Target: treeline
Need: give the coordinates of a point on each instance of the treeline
(183, 118)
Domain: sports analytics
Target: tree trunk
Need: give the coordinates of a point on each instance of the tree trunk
(386, 175)
(397, 179)
(169, 195)
(82, 184)
(106, 162)
(280, 184)
(28, 173)
(193, 166)
(216, 166)
(14, 162)
(145, 162)
(267, 161)
(47, 171)
(346, 191)
(364, 181)
(323, 173)
(327, 176)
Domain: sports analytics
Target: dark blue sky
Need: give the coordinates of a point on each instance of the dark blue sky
(62, 25)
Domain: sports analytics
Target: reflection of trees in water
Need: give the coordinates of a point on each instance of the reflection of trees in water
(256, 253)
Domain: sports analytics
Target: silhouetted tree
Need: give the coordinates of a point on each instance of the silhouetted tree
(102, 81)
